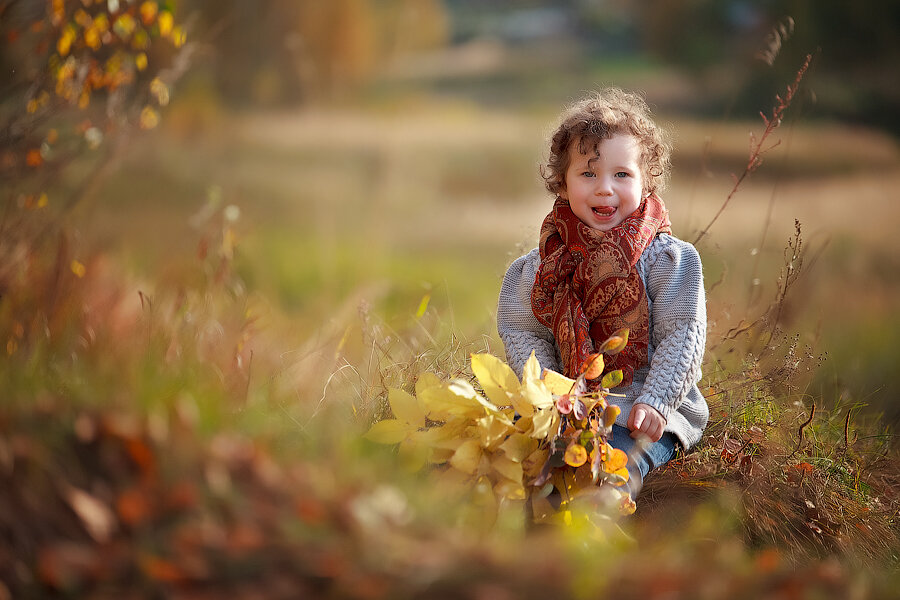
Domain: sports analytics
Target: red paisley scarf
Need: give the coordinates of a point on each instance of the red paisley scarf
(587, 287)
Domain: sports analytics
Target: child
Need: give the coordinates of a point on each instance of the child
(607, 260)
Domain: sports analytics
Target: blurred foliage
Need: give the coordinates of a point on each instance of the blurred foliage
(742, 43)
(738, 52)
(277, 51)
(83, 76)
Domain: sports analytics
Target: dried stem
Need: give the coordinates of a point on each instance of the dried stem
(812, 413)
(757, 146)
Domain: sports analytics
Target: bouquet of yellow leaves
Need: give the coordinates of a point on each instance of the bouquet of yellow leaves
(519, 440)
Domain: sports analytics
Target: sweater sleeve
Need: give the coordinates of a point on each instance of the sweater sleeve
(678, 316)
(519, 330)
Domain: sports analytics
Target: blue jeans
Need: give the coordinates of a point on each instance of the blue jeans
(642, 458)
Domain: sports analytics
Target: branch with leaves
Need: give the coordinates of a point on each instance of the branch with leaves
(520, 440)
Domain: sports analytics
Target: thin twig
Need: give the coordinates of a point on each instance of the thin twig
(757, 146)
(812, 413)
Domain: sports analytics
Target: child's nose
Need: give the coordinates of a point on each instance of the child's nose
(604, 187)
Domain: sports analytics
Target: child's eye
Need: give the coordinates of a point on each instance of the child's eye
(588, 174)
(622, 174)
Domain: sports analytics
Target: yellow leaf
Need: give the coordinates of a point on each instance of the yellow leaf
(493, 430)
(82, 18)
(627, 506)
(389, 431)
(520, 402)
(545, 422)
(509, 489)
(166, 21)
(101, 23)
(423, 305)
(497, 379)
(619, 477)
(442, 401)
(160, 91)
(149, 118)
(92, 38)
(534, 392)
(611, 379)
(412, 456)
(525, 425)
(447, 436)
(64, 43)
(508, 468)
(610, 415)
(179, 36)
(518, 446)
(576, 455)
(406, 408)
(124, 26)
(77, 268)
(557, 384)
(140, 61)
(453, 482)
(467, 457)
(532, 465)
(532, 369)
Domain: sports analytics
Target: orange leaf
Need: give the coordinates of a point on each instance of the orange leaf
(148, 12)
(162, 570)
(142, 455)
(593, 366)
(34, 158)
(133, 507)
(576, 455)
(182, 496)
(310, 510)
(66, 564)
(616, 460)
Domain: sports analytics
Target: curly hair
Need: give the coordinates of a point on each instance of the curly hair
(598, 117)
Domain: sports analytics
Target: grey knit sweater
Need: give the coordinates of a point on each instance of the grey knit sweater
(673, 277)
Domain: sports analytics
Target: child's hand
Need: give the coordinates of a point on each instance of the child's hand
(646, 420)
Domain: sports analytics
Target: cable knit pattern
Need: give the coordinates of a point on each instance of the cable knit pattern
(673, 277)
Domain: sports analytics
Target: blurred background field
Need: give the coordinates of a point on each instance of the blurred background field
(386, 162)
(366, 171)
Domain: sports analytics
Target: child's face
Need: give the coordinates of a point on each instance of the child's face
(603, 188)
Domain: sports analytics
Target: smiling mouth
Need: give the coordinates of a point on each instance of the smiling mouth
(604, 211)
